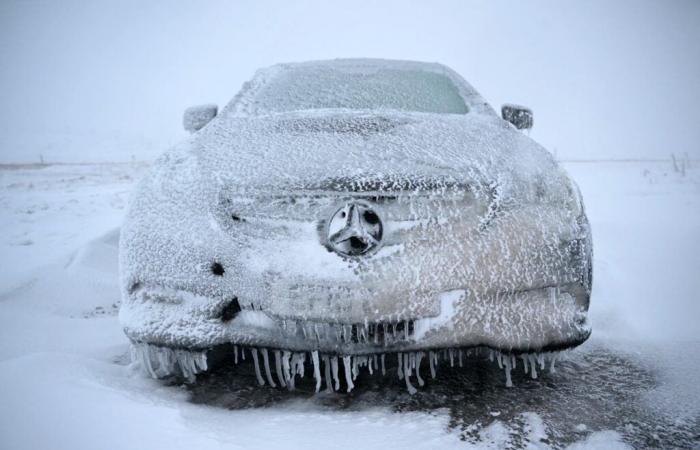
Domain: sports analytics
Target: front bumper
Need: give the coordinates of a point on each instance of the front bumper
(536, 320)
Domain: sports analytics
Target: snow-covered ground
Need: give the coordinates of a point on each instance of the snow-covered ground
(65, 380)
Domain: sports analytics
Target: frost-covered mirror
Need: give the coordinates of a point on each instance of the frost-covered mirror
(196, 117)
(520, 116)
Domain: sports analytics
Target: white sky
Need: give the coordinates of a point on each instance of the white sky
(98, 80)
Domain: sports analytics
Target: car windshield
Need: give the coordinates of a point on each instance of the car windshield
(319, 87)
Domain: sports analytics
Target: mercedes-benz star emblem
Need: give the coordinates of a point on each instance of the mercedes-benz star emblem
(355, 229)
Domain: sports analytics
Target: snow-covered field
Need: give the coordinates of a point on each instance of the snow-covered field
(66, 383)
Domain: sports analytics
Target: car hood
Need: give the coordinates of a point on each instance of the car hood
(369, 151)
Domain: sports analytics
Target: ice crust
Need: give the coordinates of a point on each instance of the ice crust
(485, 237)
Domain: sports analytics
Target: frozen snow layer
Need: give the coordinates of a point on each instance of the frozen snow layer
(468, 203)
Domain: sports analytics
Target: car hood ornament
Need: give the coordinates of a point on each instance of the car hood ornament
(354, 229)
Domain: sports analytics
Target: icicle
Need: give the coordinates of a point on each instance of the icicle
(291, 382)
(142, 354)
(533, 366)
(509, 382)
(419, 358)
(348, 375)
(327, 373)
(355, 368)
(371, 360)
(407, 369)
(158, 362)
(152, 354)
(184, 361)
(296, 368)
(525, 363)
(286, 355)
(148, 356)
(491, 355)
(243, 353)
(499, 356)
(399, 371)
(407, 375)
(268, 374)
(278, 368)
(513, 360)
(452, 358)
(317, 370)
(431, 360)
(334, 367)
(185, 367)
(299, 360)
(164, 360)
(540, 359)
(261, 382)
(235, 354)
(460, 358)
(202, 362)
(551, 364)
(189, 363)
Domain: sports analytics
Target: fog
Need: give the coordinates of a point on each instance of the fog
(98, 81)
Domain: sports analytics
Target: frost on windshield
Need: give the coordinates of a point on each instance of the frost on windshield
(357, 84)
(343, 236)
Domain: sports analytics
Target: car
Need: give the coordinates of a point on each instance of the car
(335, 212)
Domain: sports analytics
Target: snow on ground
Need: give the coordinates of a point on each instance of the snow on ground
(66, 382)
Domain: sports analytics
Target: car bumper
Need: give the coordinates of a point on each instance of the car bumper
(543, 319)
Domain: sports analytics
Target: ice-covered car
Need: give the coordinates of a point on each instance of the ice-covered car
(339, 211)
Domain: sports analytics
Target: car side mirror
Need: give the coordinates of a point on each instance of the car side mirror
(520, 116)
(195, 117)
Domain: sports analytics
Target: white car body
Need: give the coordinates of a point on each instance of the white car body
(350, 208)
